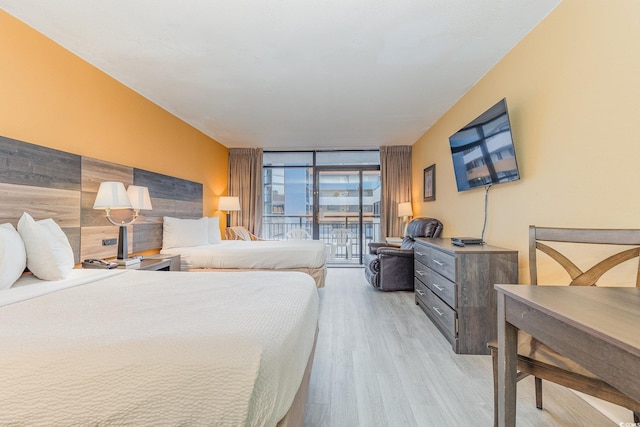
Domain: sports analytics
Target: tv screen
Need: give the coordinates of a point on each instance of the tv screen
(483, 151)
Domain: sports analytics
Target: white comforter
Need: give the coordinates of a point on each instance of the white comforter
(267, 254)
(150, 348)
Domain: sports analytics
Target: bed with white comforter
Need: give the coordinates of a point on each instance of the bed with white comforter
(255, 254)
(149, 348)
(200, 246)
(309, 256)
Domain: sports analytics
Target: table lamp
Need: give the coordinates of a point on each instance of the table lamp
(112, 195)
(405, 211)
(229, 203)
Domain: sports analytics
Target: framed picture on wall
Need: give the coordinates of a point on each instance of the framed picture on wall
(430, 183)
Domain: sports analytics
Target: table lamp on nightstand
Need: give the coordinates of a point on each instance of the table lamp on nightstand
(229, 203)
(405, 211)
(112, 195)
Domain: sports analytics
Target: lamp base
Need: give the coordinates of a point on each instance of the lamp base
(123, 249)
(123, 246)
(228, 219)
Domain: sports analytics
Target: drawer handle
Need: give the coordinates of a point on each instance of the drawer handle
(420, 292)
(437, 310)
(438, 262)
(419, 253)
(420, 272)
(440, 288)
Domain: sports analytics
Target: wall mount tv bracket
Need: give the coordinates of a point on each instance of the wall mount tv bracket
(462, 241)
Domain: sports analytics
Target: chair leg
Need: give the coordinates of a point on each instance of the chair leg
(538, 382)
(494, 359)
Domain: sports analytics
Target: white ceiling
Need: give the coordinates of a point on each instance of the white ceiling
(287, 74)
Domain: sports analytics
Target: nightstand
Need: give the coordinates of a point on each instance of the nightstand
(175, 260)
(150, 264)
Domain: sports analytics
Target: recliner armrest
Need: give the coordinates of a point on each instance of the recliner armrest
(395, 251)
(374, 246)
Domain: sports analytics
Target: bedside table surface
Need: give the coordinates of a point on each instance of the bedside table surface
(175, 260)
(150, 264)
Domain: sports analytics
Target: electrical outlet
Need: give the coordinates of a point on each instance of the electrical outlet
(109, 242)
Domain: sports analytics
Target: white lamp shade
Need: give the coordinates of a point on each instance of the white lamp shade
(404, 209)
(229, 204)
(139, 197)
(112, 195)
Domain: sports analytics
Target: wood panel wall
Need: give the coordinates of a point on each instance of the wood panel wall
(170, 196)
(43, 182)
(49, 183)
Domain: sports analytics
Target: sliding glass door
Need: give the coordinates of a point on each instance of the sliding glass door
(347, 211)
(332, 196)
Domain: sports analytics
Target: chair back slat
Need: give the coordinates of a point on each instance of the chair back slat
(587, 235)
(565, 262)
(537, 235)
(591, 276)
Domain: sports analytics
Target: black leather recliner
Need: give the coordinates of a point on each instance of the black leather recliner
(390, 268)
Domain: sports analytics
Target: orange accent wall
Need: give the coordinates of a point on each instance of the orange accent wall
(573, 90)
(51, 97)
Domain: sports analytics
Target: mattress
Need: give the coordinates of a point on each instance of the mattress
(150, 348)
(260, 254)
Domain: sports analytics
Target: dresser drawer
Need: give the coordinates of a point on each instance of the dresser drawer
(420, 253)
(421, 290)
(442, 287)
(442, 263)
(441, 313)
(420, 271)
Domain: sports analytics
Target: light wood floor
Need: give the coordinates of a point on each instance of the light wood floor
(380, 362)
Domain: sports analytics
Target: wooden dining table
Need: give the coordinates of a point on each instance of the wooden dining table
(597, 327)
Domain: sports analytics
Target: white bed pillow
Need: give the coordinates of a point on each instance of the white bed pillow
(49, 254)
(13, 257)
(183, 233)
(214, 230)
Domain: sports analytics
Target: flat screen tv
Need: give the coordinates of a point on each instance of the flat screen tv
(483, 152)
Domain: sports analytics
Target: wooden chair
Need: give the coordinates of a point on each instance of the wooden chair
(534, 357)
(240, 233)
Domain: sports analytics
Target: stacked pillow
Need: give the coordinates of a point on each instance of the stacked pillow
(184, 233)
(40, 246)
(49, 254)
(13, 257)
(43, 248)
(214, 230)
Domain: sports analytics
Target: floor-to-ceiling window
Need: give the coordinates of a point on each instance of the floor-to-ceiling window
(333, 196)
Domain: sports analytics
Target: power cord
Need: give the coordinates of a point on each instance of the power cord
(486, 204)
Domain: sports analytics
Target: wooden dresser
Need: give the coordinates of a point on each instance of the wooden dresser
(454, 287)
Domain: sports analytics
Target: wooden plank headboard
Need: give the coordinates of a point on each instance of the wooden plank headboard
(49, 183)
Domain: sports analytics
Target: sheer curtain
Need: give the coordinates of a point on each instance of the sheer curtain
(245, 182)
(395, 174)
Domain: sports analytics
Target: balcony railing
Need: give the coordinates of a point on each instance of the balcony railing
(276, 227)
